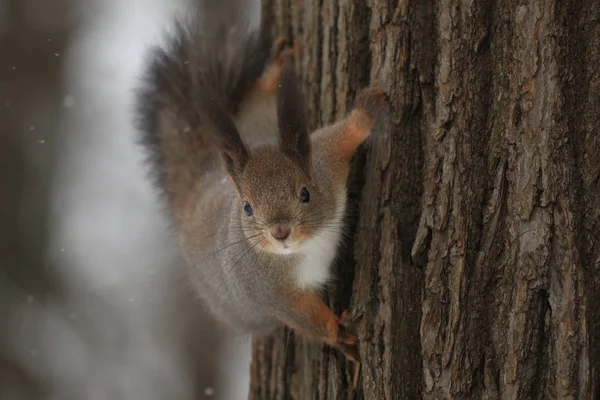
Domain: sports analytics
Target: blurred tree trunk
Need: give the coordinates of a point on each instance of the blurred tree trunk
(488, 171)
(41, 294)
(30, 100)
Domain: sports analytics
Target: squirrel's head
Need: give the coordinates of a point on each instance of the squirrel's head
(283, 205)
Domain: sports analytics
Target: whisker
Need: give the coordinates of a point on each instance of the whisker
(236, 263)
(222, 268)
(235, 243)
(230, 230)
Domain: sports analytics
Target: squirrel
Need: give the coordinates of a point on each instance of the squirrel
(257, 201)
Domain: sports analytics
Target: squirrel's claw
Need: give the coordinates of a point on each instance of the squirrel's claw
(346, 339)
(349, 345)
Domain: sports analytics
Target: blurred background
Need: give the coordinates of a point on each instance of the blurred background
(92, 302)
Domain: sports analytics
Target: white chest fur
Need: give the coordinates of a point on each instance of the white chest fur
(319, 252)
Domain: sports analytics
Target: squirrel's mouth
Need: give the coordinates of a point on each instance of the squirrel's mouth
(282, 247)
(276, 246)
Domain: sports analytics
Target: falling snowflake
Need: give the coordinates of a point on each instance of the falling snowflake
(68, 101)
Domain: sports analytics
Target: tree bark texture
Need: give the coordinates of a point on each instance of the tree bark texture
(475, 262)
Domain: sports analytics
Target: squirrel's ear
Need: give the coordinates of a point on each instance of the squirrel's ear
(226, 136)
(294, 138)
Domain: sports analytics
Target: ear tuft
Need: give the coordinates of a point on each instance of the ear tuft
(225, 135)
(294, 140)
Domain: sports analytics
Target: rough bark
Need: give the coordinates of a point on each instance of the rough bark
(475, 262)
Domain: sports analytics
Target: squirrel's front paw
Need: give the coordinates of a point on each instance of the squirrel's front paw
(371, 100)
(348, 344)
(283, 50)
(348, 319)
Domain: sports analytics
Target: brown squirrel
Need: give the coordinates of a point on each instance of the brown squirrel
(257, 200)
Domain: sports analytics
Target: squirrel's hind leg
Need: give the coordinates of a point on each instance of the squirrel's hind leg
(311, 318)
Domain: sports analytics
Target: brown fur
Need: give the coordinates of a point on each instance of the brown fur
(225, 125)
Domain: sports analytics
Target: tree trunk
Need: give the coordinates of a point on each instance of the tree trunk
(475, 261)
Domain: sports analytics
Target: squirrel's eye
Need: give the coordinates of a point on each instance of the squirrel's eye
(304, 195)
(248, 209)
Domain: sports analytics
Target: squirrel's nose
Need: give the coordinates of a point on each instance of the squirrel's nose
(280, 231)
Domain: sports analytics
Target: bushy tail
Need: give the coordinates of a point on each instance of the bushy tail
(222, 64)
